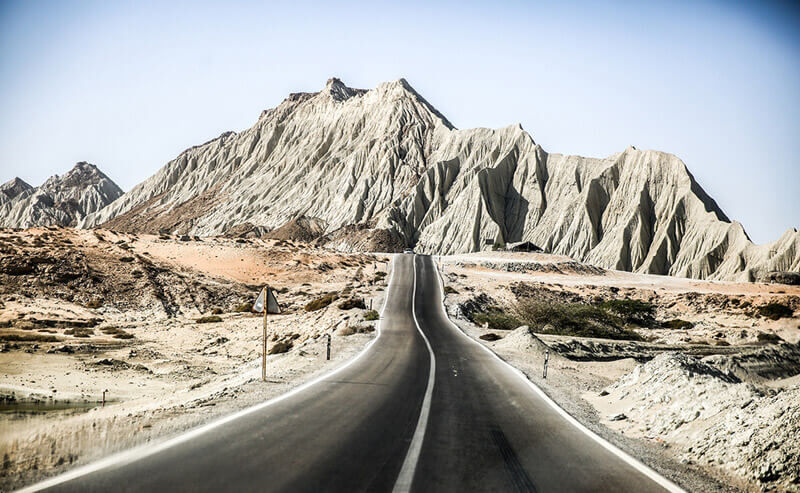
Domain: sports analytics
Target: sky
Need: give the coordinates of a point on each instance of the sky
(129, 85)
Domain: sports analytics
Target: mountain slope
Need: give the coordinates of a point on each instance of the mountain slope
(384, 168)
(61, 200)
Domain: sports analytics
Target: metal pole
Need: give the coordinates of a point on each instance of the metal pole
(329, 346)
(546, 358)
(104, 397)
(264, 341)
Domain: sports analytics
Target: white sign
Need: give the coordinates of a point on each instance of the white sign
(272, 302)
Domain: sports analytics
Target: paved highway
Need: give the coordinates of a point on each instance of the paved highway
(424, 408)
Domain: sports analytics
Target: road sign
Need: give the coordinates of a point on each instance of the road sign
(272, 302)
(265, 297)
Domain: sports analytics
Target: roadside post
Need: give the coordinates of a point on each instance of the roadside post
(104, 397)
(266, 303)
(329, 345)
(546, 359)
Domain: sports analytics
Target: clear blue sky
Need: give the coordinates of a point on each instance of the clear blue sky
(128, 85)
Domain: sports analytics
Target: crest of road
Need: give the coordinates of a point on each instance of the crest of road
(423, 408)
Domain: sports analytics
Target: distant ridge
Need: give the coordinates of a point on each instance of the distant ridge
(383, 169)
(60, 201)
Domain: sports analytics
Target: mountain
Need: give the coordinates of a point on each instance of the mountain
(382, 169)
(61, 200)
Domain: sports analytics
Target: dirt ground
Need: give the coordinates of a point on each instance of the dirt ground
(80, 321)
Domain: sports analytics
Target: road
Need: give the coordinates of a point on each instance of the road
(397, 418)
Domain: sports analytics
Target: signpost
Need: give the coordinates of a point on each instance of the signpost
(266, 303)
(546, 359)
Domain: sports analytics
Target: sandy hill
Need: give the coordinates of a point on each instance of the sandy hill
(383, 168)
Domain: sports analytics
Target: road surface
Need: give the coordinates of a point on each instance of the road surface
(395, 419)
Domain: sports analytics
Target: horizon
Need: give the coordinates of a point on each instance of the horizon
(64, 78)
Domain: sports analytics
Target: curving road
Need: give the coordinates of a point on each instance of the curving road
(424, 408)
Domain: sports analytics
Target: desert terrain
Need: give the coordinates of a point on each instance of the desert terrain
(162, 325)
(682, 373)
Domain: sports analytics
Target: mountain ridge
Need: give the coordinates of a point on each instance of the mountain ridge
(387, 161)
(62, 200)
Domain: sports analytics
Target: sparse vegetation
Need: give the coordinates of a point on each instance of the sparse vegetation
(450, 290)
(775, 311)
(371, 315)
(768, 338)
(677, 324)
(357, 329)
(280, 347)
(491, 336)
(82, 332)
(209, 319)
(575, 319)
(95, 303)
(351, 303)
(28, 338)
(243, 308)
(631, 311)
(126, 259)
(116, 332)
(217, 311)
(321, 302)
(496, 319)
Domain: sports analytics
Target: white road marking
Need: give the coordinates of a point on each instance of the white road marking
(631, 461)
(406, 476)
(146, 450)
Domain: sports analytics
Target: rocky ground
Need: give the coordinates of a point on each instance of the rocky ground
(163, 324)
(702, 383)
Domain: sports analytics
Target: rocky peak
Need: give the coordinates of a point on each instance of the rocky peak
(338, 91)
(13, 188)
(61, 200)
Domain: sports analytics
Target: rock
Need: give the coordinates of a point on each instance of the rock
(382, 169)
(618, 417)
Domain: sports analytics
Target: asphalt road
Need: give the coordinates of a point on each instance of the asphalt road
(383, 423)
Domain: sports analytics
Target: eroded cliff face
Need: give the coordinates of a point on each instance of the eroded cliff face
(60, 201)
(384, 168)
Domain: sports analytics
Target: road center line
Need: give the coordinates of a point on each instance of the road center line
(406, 476)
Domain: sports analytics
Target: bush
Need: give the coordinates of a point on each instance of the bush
(209, 319)
(352, 303)
(490, 337)
(450, 290)
(126, 259)
(95, 303)
(79, 332)
(243, 307)
(497, 319)
(677, 324)
(357, 329)
(371, 315)
(775, 311)
(217, 311)
(631, 311)
(116, 332)
(768, 338)
(575, 319)
(27, 338)
(320, 303)
(280, 347)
